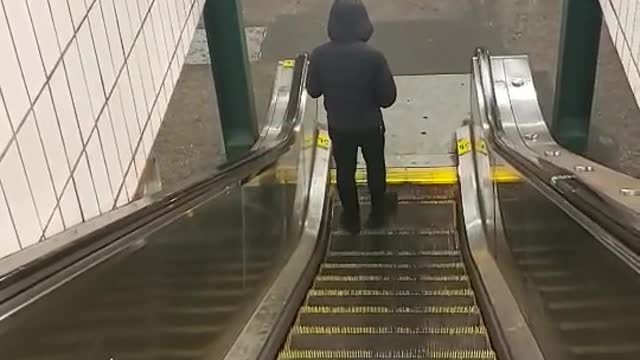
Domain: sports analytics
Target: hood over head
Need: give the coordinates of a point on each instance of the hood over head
(349, 22)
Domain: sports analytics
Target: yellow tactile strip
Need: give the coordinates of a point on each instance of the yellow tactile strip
(370, 310)
(289, 354)
(394, 253)
(408, 175)
(401, 278)
(448, 265)
(393, 293)
(388, 330)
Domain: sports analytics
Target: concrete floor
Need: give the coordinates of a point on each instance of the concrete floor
(418, 37)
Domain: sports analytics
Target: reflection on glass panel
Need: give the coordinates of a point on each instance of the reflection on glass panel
(580, 300)
(186, 290)
(172, 295)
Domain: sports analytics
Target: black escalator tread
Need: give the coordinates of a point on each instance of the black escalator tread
(415, 316)
(398, 293)
(400, 242)
(430, 214)
(412, 193)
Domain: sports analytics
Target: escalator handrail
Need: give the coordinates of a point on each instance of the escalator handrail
(146, 210)
(613, 218)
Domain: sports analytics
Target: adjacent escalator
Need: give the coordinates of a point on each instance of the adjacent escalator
(588, 296)
(181, 292)
(399, 293)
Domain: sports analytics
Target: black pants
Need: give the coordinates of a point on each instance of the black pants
(345, 153)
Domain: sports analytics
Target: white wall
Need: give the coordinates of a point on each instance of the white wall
(84, 85)
(623, 19)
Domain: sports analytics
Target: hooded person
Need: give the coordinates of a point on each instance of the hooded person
(356, 83)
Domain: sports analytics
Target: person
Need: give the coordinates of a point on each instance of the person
(356, 82)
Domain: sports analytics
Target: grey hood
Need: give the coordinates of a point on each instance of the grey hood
(349, 22)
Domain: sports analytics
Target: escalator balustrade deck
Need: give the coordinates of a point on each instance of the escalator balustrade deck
(400, 293)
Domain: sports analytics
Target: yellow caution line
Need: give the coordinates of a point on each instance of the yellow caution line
(415, 354)
(370, 310)
(451, 265)
(394, 253)
(413, 176)
(387, 330)
(395, 293)
(367, 278)
(504, 175)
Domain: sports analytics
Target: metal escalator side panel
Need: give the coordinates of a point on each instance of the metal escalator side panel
(579, 186)
(512, 339)
(20, 272)
(262, 335)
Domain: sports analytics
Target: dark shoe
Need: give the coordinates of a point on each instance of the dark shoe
(376, 221)
(350, 224)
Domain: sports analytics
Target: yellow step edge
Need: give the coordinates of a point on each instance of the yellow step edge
(380, 278)
(415, 354)
(371, 310)
(387, 330)
(394, 293)
(444, 265)
(411, 176)
(394, 253)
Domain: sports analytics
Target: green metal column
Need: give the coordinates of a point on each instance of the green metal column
(230, 64)
(577, 63)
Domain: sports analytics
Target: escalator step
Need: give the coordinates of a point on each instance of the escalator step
(397, 293)
(408, 260)
(595, 303)
(398, 253)
(398, 269)
(603, 318)
(429, 214)
(597, 351)
(430, 316)
(361, 354)
(383, 282)
(381, 242)
(380, 337)
(422, 256)
(186, 338)
(347, 297)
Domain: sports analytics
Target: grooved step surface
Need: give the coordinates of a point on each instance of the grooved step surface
(401, 292)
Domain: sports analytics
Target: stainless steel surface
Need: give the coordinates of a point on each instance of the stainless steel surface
(253, 339)
(492, 86)
(277, 106)
(475, 180)
(576, 283)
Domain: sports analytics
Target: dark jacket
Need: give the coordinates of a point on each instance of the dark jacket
(354, 78)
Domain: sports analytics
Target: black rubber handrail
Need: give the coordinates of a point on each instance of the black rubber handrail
(19, 279)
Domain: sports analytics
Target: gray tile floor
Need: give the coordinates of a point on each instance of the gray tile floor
(420, 37)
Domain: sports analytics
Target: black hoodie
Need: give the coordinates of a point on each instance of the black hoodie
(353, 77)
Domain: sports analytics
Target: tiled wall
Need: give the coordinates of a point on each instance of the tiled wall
(84, 85)
(623, 19)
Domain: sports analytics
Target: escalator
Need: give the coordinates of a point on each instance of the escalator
(590, 297)
(400, 293)
(249, 265)
(176, 295)
(177, 277)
